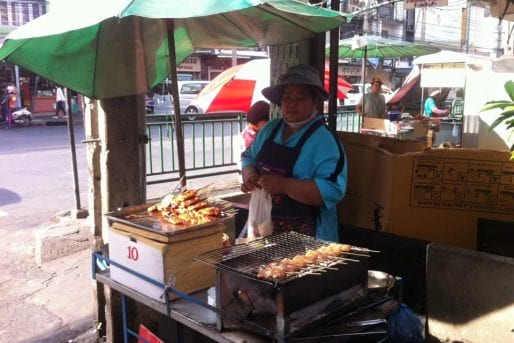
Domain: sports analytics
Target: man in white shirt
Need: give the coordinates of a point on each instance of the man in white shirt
(60, 102)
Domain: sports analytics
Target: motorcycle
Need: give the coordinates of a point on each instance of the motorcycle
(19, 117)
(22, 117)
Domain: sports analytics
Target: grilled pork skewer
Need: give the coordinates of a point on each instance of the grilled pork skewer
(186, 208)
(313, 261)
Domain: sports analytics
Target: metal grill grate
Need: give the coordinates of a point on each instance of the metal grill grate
(247, 258)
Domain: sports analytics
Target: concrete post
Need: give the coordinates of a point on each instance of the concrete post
(122, 164)
(115, 138)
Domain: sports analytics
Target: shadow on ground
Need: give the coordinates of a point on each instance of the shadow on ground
(8, 197)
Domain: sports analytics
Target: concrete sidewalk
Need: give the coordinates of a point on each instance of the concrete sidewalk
(47, 119)
(52, 300)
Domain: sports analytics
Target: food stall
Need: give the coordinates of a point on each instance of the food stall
(179, 265)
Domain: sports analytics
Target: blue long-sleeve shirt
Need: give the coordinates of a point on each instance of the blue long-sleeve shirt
(317, 161)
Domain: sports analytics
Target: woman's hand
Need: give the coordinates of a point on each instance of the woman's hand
(250, 179)
(272, 183)
(305, 191)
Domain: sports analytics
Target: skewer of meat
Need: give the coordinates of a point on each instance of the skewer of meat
(313, 261)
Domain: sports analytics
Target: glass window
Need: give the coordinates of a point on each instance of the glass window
(25, 13)
(35, 11)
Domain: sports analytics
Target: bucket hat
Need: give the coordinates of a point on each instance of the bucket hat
(298, 74)
(377, 79)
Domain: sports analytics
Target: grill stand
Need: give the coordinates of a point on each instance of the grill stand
(266, 308)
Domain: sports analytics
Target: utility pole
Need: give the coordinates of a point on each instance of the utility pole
(468, 24)
(423, 24)
(499, 42)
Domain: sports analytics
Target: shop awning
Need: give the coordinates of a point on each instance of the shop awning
(410, 81)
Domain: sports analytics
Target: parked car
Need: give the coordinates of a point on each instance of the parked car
(188, 90)
(355, 94)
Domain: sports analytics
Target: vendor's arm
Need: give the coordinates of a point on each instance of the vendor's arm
(358, 106)
(250, 178)
(305, 191)
(384, 113)
(439, 111)
(249, 171)
(431, 108)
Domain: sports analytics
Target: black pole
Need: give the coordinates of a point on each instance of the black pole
(71, 135)
(176, 104)
(333, 65)
(363, 72)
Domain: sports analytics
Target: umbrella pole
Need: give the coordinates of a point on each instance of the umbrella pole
(363, 73)
(333, 63)
(176, 105)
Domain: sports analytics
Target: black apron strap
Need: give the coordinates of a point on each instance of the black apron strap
(340, 162)
(275, 130)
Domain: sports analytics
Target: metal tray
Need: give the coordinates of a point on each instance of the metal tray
(139, 217)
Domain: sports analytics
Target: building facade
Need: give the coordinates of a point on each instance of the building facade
(461, 26)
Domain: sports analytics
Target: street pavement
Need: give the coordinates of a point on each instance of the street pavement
(47, 293)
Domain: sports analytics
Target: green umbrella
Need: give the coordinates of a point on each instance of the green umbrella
(375, 46)
(94, 46)
(379, 47)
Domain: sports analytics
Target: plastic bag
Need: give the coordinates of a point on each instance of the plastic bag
(405, 326)
(259, 214)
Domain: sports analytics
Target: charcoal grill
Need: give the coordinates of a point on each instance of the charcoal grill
(281, 308)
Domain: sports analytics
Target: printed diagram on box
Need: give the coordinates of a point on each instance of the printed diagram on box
(506, 193)
(427, 170)
(463, 184)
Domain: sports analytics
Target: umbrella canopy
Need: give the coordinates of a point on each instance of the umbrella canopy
(379, 47)
(106, 49)
(237, 88)
(94, 46)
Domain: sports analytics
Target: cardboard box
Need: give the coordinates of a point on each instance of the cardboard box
(161, 261)
(434, 194)
(375, 124)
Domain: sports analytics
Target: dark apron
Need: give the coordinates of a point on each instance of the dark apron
(287, 214)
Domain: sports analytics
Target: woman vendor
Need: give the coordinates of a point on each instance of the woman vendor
(298, 159)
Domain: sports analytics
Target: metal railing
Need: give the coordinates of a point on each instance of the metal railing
(211, 144)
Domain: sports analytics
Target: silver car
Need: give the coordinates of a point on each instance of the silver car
(188, 90)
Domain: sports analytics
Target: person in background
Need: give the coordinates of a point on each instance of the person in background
(256, 118)
(26, 96)
(60, 102)
(11, 97)
(374, 102)
(431, 108)
(298, 159)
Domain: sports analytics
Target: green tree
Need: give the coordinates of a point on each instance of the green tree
(507, 116)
